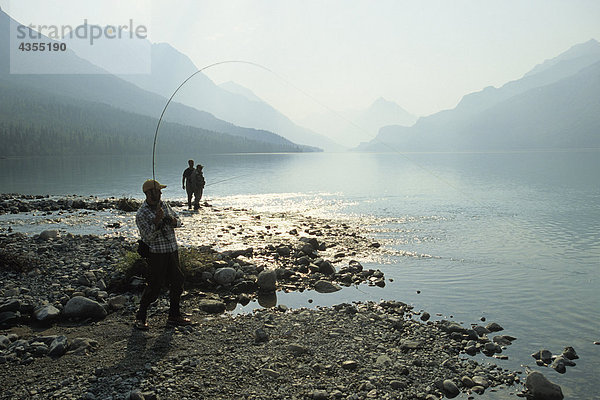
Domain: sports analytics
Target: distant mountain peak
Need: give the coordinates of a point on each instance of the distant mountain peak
(590, 48)
(236, 88)
(382, 100)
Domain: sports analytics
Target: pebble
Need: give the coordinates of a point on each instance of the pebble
(350, 365)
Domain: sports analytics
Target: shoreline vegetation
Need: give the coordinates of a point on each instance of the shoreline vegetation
(67, 304)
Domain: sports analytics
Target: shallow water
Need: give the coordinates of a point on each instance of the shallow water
(512, 237)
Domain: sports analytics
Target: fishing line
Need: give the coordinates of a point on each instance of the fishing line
(228, 179)
(183, 83)
(315, 100)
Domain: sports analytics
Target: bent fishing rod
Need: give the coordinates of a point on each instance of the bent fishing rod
(181, 85)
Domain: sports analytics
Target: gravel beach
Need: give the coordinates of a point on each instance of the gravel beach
(67, 302)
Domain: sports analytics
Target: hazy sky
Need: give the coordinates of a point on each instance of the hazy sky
(424, 55)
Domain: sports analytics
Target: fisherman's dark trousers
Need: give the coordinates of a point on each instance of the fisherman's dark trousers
(163, 270)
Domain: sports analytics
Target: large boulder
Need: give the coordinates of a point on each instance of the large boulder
(224, 276)
(541, 388)
(267, 280)
(80, 307)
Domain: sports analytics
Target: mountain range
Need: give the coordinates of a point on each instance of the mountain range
(555, 105)
(352, 127)
(169, 68)
(90, 85)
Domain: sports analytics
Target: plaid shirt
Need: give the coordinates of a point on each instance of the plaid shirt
(160, 238)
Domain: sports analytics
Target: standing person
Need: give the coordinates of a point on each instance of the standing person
(186, 182)
(156, 221)
(199, 182)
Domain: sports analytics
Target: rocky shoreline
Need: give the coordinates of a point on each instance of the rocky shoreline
(67, 301)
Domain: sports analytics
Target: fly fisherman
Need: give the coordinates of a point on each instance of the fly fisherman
(198, 181)
(187, 182)
(156, 221)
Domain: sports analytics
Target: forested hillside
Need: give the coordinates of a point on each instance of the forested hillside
(34, 122)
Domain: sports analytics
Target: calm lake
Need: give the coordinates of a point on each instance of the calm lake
(512, 237)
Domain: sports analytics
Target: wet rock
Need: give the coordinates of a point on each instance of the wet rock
(425, 316)
(543, 355)
(80, 307)
(267, 280)
(450, 389)
(503, 340)
(323, 286)
(451, 326)
(569, 353)
(481, 330)
(559, 365)
(494, 327)
(540, 388)
(46, 313)
(355, 266)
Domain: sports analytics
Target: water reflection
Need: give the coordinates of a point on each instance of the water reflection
(267, 300)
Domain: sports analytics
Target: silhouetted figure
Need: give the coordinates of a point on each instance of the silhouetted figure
(156, 222)
(198, 182)
(186, 182)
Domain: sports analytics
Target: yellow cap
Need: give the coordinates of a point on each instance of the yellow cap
(152, 184)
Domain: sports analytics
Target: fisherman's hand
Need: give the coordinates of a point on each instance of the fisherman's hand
(169, 220)
(172, 221)
(158, 216)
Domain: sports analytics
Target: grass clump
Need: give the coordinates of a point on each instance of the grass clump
(196, 260)
(192, 260)
(16, 262)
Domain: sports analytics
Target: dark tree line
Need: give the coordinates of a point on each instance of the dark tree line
(35, 123)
